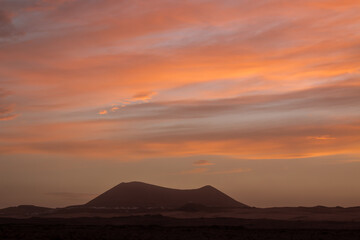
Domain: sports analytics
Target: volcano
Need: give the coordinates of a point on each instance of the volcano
(143, 195)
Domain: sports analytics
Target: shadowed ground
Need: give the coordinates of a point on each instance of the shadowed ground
(156, 232)
(159, 227)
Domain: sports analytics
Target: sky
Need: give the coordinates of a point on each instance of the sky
(260, 99)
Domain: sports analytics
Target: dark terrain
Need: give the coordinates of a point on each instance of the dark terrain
(142, 195)
(142, 211)
(158, 227)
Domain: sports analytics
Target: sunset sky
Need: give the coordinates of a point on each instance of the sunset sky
(260, 99)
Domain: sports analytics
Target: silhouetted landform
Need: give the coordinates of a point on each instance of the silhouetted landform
(143, 195)
(192, 211)
(24, 211)
(142, 211)
(136, 198)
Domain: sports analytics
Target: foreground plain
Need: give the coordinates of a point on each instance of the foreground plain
(160, 227)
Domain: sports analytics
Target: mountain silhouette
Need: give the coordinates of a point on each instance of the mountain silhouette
(143, 195)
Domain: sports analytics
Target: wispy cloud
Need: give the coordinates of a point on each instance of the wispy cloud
(323, 137)
(6, 109)
(143, 96)
(115, 108)
(103, 112)
(203, 163)
(214, 172)
(257, 126)
(8, 117)
(201, 82)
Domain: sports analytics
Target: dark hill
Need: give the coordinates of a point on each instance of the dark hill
(24, 210)
(142, 195)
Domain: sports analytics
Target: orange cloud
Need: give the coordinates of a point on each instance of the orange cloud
(6, 109)
(208, 172)
(103, 112)
(113, 109)
(218, 82)
(185, 128)
(143, 96)
(203, 163)
(82, 62)
(324, 137)
(8, 117)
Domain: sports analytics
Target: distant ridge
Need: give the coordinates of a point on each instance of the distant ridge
(143, 195)
(24, 210)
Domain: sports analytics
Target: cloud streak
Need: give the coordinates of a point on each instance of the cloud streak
(203, 163)
(249, 127)
(207, 171)
(6, 109)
